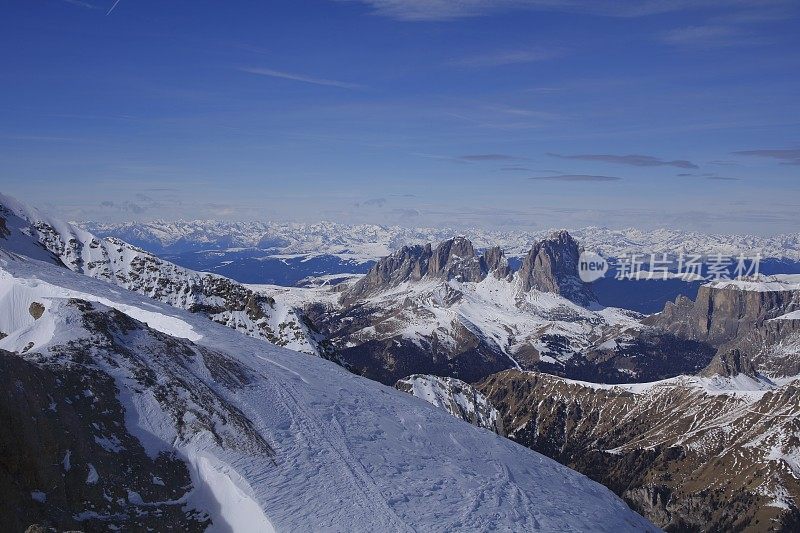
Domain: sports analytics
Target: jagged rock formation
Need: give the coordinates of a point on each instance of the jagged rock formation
(446, 311)
(456, 397)
(758, 318)
(552, 266)
(497, 263)
(729, 364)
(451, 259)
(691, 454)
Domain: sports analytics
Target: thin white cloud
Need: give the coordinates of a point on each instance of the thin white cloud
(81, 3)
(710, 36)
(299, 77)
(433, 10)
(113, 7)
(508, 57)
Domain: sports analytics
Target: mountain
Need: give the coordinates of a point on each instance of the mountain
(759, 317)
(450, 311)
(127, 413)
(371, 242)
(717, 451)
(689, 453)
(221, 299)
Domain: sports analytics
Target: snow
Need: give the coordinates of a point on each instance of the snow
(350, 454)
(364, 242)
(233, 501)
(794, 315)
(777, 282)
(92, 477)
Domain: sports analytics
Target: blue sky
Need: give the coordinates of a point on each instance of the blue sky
(504, 114)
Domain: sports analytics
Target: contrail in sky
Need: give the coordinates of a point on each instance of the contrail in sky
(112, 8)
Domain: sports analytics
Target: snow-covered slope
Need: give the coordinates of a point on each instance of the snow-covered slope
(221, 299)
(367, 241)
(275, 440)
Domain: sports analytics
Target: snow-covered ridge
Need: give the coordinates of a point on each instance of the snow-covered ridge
(110, 259)
(370, 241)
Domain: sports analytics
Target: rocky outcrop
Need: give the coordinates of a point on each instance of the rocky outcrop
(458, 398)
(686, 458)
(729, 364)
(552, 266)
(754, 319)
(67, 462)
(497, 263)
(456, 259)
(453, 259)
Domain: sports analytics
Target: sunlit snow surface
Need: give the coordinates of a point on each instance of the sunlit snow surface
(351, 455)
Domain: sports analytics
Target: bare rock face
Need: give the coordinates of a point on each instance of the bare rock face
(552, 266)
(68, 463)
(729, 364)
(497, 263)
(754, 323)
(456, 259)
(452, 259)
(4, 232)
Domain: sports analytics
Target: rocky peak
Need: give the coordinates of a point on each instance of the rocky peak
(729, 364)
(552, 266)
(409, 263)
(451, 259)
(456, 259)
(496, 263)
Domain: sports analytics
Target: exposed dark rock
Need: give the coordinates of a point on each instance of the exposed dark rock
(458, 398)
(729, 364)
(731, 318)
(36, 310)
(552, 266)
(67, 462)
(496, 263)
(456, 259)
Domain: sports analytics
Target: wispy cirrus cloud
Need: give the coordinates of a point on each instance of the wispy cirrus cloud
(506, 57)
(710, 36)
(576, 177)
(631, 159)
(790, 156)
(299, 77)
(438, 10)
(81, 3)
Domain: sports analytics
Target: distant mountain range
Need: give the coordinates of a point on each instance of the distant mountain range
(370, 242)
